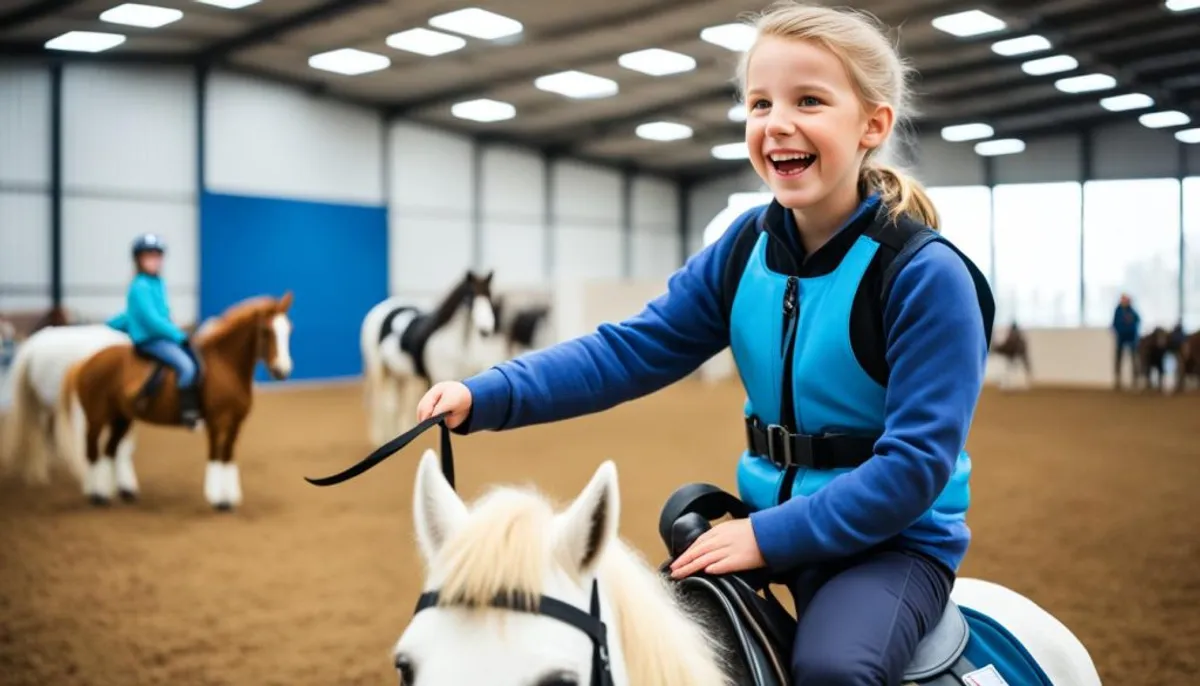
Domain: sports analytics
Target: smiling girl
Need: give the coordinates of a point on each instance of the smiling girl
(860, 336)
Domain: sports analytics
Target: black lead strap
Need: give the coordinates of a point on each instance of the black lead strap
(587, 622)
(394, 446)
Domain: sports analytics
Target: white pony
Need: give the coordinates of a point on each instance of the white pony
(512, 541)
(36, 380)
(406, 348)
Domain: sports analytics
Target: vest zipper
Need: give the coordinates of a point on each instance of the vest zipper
(787, 409)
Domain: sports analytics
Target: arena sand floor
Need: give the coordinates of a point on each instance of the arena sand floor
(1084, 501)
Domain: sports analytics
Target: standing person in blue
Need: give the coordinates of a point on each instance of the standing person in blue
(147, 320)
(860, 336)
(1125, 325)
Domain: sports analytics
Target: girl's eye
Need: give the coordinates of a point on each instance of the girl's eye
(809, 101)
(759, 104)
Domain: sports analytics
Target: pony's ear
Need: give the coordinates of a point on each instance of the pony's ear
(285, 303)
(584, 529)
(488, 278)
(437, 509)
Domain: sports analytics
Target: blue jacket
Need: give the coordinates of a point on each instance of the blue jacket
(935, 349)
(1126, 323)
(146, 317)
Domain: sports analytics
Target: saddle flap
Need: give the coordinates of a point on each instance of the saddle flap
(941, 647)
(753, 654)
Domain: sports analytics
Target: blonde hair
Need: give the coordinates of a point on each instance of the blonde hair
(879, 77)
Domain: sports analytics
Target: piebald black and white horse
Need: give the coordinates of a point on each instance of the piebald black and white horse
(407, 348)
(524, 328)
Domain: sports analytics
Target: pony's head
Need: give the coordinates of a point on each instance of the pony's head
(275, 332)
(514, 546)
(484, 312)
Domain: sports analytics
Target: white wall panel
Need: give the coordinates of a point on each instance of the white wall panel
(24, 125)
(129, 130)
(427, 254)
(941, 163)
(586, 251)
(707, 199)
(431, 170)
(655, 254)
(272, 140)
(587, 194)
(1128, 150)
(1045, 160)
(24, 251)
(97, 233)
(1193, 159)
(655, 203)
(513, 185)
(515, 250)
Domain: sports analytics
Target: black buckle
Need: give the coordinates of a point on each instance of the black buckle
(779, 445)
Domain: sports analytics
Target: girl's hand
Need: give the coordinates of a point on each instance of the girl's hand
(447, 396)
(727, 547)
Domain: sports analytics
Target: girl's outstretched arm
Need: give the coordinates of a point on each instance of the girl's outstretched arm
(671, 337)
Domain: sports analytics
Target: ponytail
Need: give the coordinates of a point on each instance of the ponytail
(900, 193)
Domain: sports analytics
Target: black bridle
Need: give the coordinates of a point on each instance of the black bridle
(587, 622)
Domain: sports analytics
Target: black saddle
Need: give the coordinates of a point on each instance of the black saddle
(754, 626)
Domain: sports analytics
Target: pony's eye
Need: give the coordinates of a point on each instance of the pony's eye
(562, 678)
(408, 673)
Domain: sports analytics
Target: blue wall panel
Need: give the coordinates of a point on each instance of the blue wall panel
(332, 257)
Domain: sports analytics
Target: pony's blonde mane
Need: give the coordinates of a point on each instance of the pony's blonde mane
(505, 546)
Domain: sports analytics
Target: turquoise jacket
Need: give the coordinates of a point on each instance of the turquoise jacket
(146, 317)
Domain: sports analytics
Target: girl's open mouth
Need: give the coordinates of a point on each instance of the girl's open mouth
(791, 163)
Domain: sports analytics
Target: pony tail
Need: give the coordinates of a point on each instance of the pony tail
(901, 193)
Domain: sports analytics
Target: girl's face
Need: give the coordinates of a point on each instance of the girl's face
(806, 129)
(150, 262)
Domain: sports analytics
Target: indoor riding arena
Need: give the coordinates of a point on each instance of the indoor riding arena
(502, 178)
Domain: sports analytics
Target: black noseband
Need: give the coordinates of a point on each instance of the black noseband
(587, 622)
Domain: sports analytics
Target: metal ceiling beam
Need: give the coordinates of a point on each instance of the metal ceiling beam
(518, 76)
(37, 51)
(270, 31)
(34, 12)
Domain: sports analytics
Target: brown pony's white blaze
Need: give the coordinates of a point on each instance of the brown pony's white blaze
(106, 392)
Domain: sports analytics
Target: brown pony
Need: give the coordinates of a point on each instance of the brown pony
(1188, 361)
(1151, 354)
(1014, 347)
(117, 386)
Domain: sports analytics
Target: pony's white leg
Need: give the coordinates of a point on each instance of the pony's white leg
(103, 480)
(214, 483)
(1051, 644)
(411, 391)
(232, 484)
(127, 481)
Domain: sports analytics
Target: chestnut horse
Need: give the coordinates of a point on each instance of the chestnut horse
(1188, 361)
(115, 387)
(1151, 355)
(1014, 348)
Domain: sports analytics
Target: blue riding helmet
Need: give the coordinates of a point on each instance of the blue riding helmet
(148, 242)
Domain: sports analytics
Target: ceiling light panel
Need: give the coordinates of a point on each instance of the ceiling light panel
(1129, 101)
(967, 132)
(349, 61)
(731, 151)
(423, 41)
(1049, 65)
(1000, 146)
(657, 62)
(477, 23)
(735, 37)
(144, 16)
(1021, 46)
(969, 23)
(85, 41)
(664, 131)
(484, 110)
(1085, 83)
(577, 84)
(1161, 120)
(230, 4)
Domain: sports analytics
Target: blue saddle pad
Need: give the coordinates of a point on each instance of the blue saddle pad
(991, 646)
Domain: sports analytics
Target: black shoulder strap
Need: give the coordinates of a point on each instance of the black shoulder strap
(905, 238)
(748, 225)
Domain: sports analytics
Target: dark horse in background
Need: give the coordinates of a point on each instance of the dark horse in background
(1152, 352)
(524, 328)
(1014, 348)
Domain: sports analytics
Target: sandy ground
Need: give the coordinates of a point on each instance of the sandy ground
(1082, 501)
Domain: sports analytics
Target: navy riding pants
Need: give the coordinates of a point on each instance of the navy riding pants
(862, 618)
(174, 355)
